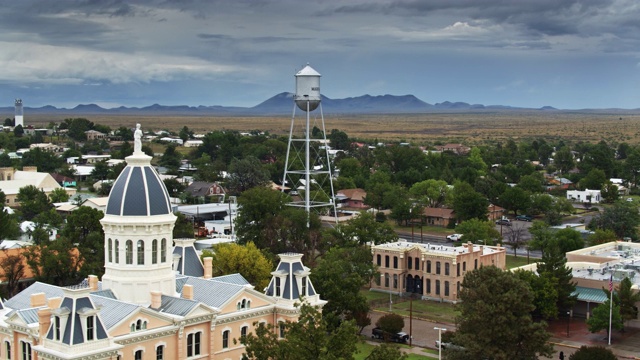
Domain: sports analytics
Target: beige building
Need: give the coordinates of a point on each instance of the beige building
(12, 180)
(157, 299)
(434, 272)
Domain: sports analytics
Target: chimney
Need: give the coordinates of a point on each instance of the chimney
(44, 322)
(187, 292)
(54, 302)
(156, 299)
(38, 299)
(30, 168)
(208, 267)
(93, 283)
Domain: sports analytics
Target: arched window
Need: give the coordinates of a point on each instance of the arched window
(154, 251)
(160, 352)
(446, 269)
(395, 262)
(281, 328)
(417, 263)
(26, 350)
(163, 251)
(437, 287)
(437, 267)
(446, 288)
(386, 261)
(386, 280)
(458, 269)
(225, 339)
(464, 266)
(395, 281)
(110, 250)
(129, 252)
(117, 251)
(429, 266)
(379, 259)
(243, 331)
(193, 344)
(138, 355)
(409, 262)
(428, 286)
(7, 349)
(140, 252)
(475, 263)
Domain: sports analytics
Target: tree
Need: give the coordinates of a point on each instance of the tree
(599, 319)
(12, 266)
(475, 230)
(390, 323)
(45, 161)
(593, 353)
(171, 157)
(495, 317)
(59, 195)
(622, 218)
(600, 236)
(84, 229)
(568, 239)
(183, 227)
(33, 201)
(467, 203)
(609, 192)
(18, 131)
(515, 236)
(432, 193)
(259, 207)
(308, 338)
(533, 183)
(515, 199)
(544, 292)
(247, 260)
(339, 140)
(386, 351)
(563, 159)
(364, 229)
(594, 179)
(627, 298)
(56, 262)
(9, 228)
(339, 277)
(553, 266)
(245, 174)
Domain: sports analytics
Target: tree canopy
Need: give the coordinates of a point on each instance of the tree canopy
(247, 260)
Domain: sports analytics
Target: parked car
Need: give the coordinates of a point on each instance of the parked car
(506, 222)
(400, 337)
(446, 345)
(454, 237)
(524, 217)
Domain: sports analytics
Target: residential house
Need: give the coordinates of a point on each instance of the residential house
(12, 180)
(210, 191)
(95, 135)
(352, 198)
(440, 216)
(457, 149)
(585, 196)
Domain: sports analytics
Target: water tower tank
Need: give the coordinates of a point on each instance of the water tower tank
(307, 89)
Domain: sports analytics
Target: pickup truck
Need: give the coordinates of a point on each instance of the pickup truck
(400, 337)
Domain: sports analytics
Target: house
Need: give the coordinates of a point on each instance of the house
(193, 143)
(585, 196)
(157, 298)
(433, 272)
(457, 149)
(496, 212)
(438, 216)
(95, 135)
(211, 191)
(352, 198)
(64, 181)
(12, 180)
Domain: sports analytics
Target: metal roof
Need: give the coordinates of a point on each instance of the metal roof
(212, 292)
(176, 306)
(236, 279)
(112, 311)
(590, 295)
(29, 316)
(22, 300)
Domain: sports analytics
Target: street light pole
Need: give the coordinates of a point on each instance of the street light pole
(440, 330)
(568, 321)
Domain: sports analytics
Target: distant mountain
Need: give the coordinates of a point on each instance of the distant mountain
(282, 104)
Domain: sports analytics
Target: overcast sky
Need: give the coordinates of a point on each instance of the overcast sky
(528, 53)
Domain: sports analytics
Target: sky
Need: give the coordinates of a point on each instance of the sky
(567, 54)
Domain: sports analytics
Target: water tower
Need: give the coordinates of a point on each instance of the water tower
(19, 119)
(307, 169)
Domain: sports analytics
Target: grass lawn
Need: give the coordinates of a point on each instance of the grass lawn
(424, 309)
(364, 349)
(513, 261)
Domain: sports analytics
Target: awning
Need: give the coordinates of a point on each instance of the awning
(590, 295)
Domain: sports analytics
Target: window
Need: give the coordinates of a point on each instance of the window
(475, 263)
(138, 355)
(163, 251)
(117, 250)
(437, 267)
(428, 286)
(26, 350)
(429, 266)
(160, 352)
(90, 327)
(446, 269)
(140, 252)
(386, 261)
(386, 280)
(437, 287)
(193, 344)
(464, 266)
(129, 252)
(243, 331)
(281, 327)
(409, 262)
(277, 286)
(304, 286)
(458, 287)
(458, 269)
(154, 252)
(395, 262)
(446, 288)
(225, 339)
(417, 264)
(379, 260)
(110, 250)
(56, 328)
(395, 281)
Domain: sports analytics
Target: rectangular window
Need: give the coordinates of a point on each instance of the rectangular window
(437, 267)
(56, 327)
(395, 262)
(386, 261)
(277, 286)
(446, 288)
(475, 264)
(282, 328)
(417, 264)
(446, 269)
(379, 260)
(437, 287)
(243, 331)
(464, 266)
(26, 350)
(304, 286)
(409, 262)
(193, 344)
(90, 327)
(110, 250)
(395, 281)
(154, 252)
(386, 280)
(225, 339)
(428, 286)
(429, 266)
(458, 269)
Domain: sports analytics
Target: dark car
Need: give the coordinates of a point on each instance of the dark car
(400, 337)
(503, 222)
(524, 217)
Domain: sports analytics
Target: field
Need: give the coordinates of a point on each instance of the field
(471, 128)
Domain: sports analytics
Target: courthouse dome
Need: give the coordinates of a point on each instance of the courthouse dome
(138, 191)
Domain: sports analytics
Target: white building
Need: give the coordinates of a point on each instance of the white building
(588, 196)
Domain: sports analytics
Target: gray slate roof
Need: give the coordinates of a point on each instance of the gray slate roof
(138, 191)
(211, 292)
(236, 279)
(189, 263)
(176, 306)
(113, 311)
(22, 300)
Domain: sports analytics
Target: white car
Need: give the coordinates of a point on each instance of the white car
(454, 237)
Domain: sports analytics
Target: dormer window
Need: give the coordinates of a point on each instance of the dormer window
(91, 328)
(304, 287)
(56, 328)
(277, 286)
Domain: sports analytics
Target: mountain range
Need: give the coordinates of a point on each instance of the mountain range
(282, 103)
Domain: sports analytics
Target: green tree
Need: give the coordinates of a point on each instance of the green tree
(84, 229)
(475, 230)
(339, 140)
(77, 128)
(599, 319)
(632, 166)
(55, 262)
(622, 218)
(495, 317)
(245, 174)
(540, 204)
(467, 203)
(568, 239)
(600, 236)
(594, 180)
(386, 351)
(45, 161)
(183, 227)
(609, 192)
(515, 199)
(18, 131)
(553, 267)
(544, 292)
(364, 229)
(171, 157)
(259, 208)
(627, 299)
(390, 323)
(593, 353)
(308, 338)
(533, 183)
(339, 277)
(33, 201)
(246, 260)
(563, 159)
(58, 195)
(13, 268)
(431, 193)
(9, 228)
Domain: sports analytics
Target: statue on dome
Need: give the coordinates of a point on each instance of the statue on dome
(137, 140)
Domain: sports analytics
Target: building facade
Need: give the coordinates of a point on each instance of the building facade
(433, 272)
